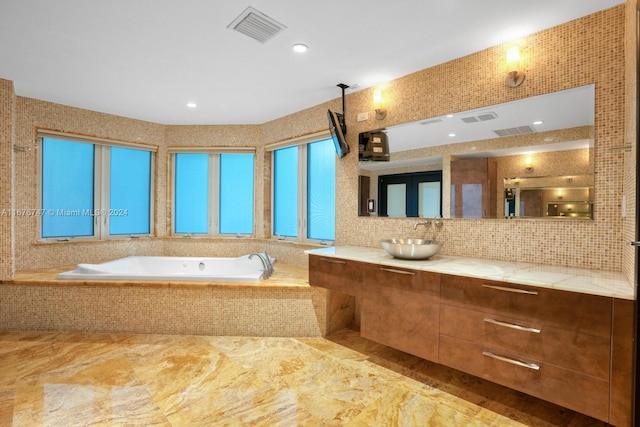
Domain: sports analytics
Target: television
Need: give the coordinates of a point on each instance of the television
(338, 130)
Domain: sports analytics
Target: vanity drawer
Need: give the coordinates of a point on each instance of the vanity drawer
(587, 354)
(337, 274)
(588, 314)
(582, 393)
(401, 278)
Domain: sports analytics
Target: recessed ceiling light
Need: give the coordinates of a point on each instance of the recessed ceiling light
(452, 134)
(449, 115)
(300, 48)
(192, 104)
(538, 122)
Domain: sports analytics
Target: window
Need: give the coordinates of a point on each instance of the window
(304, 188)
(213, 193)
(93, 190)
(416, 194)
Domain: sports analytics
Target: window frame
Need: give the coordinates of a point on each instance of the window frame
(101, 187)
(302, 222)
(213, 228)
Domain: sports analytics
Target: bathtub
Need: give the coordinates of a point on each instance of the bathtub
(240, 269)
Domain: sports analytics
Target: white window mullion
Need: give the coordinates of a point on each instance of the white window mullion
(101, 192)
(302, 192)
(214, 194)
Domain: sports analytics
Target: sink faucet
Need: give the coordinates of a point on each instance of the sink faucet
(427, 224)
(266, 263)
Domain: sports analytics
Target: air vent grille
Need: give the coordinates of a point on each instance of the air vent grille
(479, 118)
(520, 130)
(256, 25)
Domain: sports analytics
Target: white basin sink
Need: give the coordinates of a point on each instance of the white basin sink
(411, 248)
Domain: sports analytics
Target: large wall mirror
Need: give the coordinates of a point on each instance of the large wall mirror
(531, 158)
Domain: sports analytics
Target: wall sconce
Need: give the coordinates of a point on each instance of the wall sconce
(528, 163)
(514, 77)
(381, 113)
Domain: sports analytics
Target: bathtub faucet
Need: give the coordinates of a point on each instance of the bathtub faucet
(266, 263)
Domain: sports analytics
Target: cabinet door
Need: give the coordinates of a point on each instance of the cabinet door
(400, 308)
(336, 274)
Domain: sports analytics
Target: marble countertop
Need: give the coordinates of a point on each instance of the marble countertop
(594, 282)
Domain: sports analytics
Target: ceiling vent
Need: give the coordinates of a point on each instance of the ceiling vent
(256, 25)
(520, 130)
(480, 118)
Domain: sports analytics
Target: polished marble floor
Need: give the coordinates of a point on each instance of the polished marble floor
(72, 379)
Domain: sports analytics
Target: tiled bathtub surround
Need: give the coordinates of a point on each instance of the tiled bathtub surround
(593, 45)
(283, 305)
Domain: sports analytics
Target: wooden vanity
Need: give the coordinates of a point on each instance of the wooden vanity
(569, 347)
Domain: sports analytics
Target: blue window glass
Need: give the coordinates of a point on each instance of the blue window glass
(285, 192)
(321, 190)
(67, 188)
(192, 193)
(129, 191)
(236, 193)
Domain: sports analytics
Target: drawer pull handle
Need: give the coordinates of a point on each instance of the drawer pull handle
(333, 261)
(512, 325)
(512, 361)
(517, 291)
(393, 270)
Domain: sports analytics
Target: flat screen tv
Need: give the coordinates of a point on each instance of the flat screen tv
(338, 129)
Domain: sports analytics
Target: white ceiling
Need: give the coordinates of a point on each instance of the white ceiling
(146, 59)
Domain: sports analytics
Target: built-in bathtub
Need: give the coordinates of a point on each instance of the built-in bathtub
(248, 268)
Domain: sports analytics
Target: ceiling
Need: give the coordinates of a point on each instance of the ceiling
(146, 59)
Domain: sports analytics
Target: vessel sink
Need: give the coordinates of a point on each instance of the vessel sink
(411, 248)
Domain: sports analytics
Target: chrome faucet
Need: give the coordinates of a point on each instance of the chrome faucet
(266, 263)
(427, 224)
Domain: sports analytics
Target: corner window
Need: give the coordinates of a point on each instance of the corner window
(94, 190)
(213, 193)
(304, 187)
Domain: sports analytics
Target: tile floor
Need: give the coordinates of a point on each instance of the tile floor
(72, 379)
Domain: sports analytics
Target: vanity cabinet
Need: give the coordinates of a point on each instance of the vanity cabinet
(400, 308)
(341, 275)
(569, 348)
(552, 344)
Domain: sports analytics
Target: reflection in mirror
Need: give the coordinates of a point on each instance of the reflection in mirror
(528, 158)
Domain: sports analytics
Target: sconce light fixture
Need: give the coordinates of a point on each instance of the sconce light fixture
(381, 113)
(528, 162)
(514, 77)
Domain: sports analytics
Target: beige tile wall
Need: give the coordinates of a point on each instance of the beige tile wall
(589, 50)
(7, 100)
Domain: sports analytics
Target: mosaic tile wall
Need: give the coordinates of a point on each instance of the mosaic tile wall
(7, 99)
(212, 311)
(585, 51)
(631, 118)
(589, 50)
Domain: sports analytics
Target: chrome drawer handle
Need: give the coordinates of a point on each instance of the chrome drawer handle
(393, 270)
(512, 361)
(333, 261)
(512, 325)
(517, 291)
